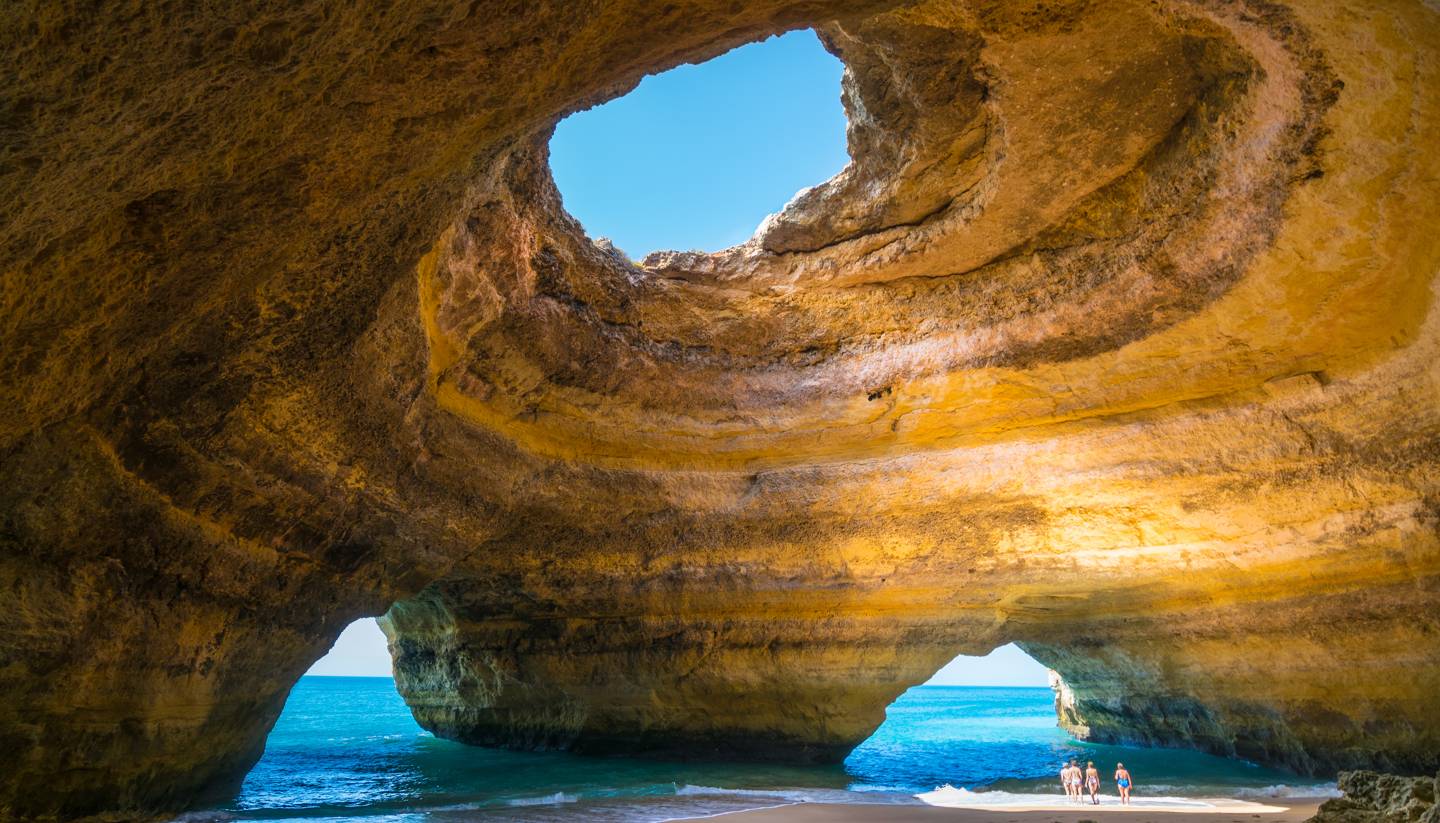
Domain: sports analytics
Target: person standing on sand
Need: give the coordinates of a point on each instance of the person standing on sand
(1122, 782)
(1092, 782)
(1065, 778)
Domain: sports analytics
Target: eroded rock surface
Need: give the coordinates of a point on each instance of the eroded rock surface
(1382, 798)
(1115, 339)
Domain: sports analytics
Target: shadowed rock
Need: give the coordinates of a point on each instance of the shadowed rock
(1381, 798)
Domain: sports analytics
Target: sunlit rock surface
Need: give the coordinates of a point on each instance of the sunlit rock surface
(1115, 340)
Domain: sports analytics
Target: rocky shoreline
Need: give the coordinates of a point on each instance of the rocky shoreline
(1371, 797)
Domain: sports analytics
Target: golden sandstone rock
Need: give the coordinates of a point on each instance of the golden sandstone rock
(1116, 339)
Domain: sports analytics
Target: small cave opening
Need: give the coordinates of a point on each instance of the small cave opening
(695, 158)
(989, 724)
(345, 736)
(977, 720)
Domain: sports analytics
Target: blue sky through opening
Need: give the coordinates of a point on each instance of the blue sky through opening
(696, 157)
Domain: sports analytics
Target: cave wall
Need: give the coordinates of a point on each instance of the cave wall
(1115, 339)
(1193, 473)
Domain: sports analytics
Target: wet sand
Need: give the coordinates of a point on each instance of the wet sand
(1296, 811)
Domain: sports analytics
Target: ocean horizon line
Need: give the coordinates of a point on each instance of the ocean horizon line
(921, 686)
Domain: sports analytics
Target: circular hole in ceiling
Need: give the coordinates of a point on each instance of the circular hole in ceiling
(696, 157)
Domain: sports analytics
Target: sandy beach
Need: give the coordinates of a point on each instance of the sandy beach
(1295, 811)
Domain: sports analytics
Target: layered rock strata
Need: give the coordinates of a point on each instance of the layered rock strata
(1114, 340)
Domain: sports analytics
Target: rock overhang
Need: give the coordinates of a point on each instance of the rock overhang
(1160, 204)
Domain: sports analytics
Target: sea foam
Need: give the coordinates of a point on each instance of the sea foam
(954, 798)
(1326, 790)
(545, 800)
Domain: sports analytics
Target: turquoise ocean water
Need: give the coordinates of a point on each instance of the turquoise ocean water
(346, 748)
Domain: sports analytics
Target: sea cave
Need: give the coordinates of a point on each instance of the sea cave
(1112, 340)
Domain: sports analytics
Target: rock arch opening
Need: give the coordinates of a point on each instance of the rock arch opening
(695, 157)
(344, 739)
(1003, 722)
(980, 719)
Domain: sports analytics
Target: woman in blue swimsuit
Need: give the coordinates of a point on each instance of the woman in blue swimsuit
(1122, 782)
